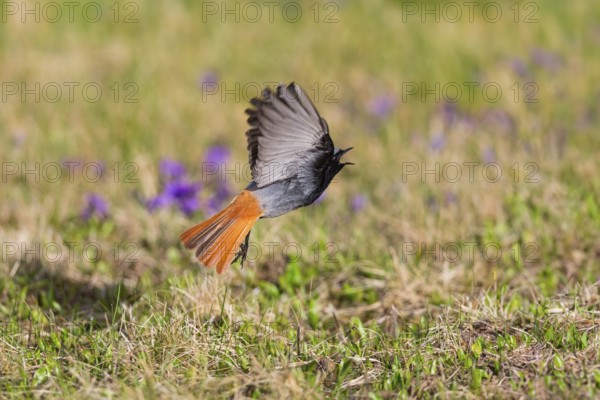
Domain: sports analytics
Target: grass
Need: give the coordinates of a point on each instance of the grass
(446, 287)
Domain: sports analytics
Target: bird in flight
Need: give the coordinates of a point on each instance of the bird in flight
(292, 159)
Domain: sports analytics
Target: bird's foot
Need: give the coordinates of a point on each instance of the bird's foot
(243, 252)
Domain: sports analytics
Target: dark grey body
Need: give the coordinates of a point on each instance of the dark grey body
(282, 197)
(291, 154)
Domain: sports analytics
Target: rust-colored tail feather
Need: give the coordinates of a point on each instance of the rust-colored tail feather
(217, 240)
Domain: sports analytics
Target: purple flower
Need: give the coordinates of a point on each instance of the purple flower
(546, 59)
(216, 155)
(163, 200)
(359, 202)
(95, 206)
(489, 155)
(215, 202)
(212, 205)
(450, 113)
(208, 79)
(18, 138)
(171, 169)
(450, 198)
(519, 67)
(223, 192)
(438, 142)
(182, 194)
(383, 105)
(189, 206)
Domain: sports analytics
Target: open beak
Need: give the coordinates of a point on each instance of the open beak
(344, 152)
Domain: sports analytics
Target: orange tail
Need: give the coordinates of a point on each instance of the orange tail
(217, 240)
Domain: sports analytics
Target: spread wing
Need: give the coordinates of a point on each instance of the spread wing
(287, 136)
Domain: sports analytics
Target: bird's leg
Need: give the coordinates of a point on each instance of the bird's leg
(243, 253)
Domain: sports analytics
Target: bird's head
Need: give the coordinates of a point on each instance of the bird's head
(337, 157)
(330, 167)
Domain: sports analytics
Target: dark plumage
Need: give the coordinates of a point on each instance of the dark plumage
(288, 140)
(293, 160)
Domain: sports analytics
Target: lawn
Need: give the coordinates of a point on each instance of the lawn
(458, 258)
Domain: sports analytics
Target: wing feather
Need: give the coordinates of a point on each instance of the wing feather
(286, 135)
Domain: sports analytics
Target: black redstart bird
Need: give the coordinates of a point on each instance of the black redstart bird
(292, 159)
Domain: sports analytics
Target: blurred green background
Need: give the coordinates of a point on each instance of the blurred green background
(98, 298)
